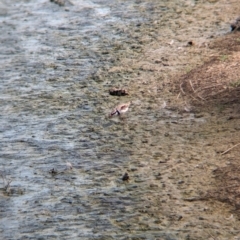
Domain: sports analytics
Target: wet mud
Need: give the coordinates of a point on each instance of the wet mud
(70, 171)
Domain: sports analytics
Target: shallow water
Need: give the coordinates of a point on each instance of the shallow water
(54, 98)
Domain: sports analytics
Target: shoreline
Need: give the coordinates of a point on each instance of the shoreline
(64, 162)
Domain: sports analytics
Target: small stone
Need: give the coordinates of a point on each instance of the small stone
(190, 43)
(235, 26)
(118, 92)
(53, 171)
(180, 182)
(125, 177)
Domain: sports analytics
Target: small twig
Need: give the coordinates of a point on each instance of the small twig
(200, 97)
(213, 95)
(178, 95)
(207, 87)
(231, 217)
(191, 85)
(181, 88)
(195, 98)
(190, 82)
(7, 185)
(230, 149)
(212, 86)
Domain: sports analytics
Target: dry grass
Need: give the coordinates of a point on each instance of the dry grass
(219, 78)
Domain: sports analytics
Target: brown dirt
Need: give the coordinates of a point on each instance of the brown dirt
(200, 77)
(206, 82)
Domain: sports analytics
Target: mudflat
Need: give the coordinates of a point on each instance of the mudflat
(169, 169)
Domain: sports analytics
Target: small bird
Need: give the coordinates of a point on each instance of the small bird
(120, 109)
(69, 165)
